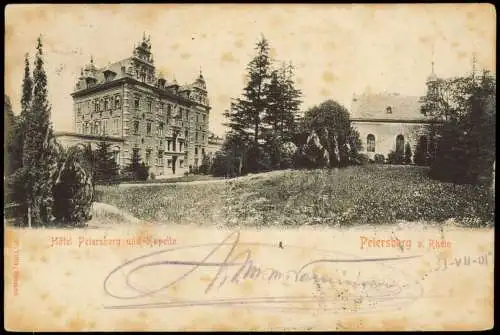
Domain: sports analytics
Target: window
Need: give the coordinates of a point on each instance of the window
(160, 129)
(116, 155)
(196, 162)
(116, 125)
(203, 151)
(204, 118)
(117, 101)
(196, 150)
(185, 134)
(101, 105)
(86, 128)
(160, 158)
(148, 157)
(196, 136)
(148, 128)
(370, 143)
(137, 101)
(106, 104)
(104, 126)
(162, 107)
(97, 125)
(169, 163)
(136, 127)
(400, 144)
(150, 106)
(389, 110)
(78, 108)
(168, 145)
(181, 163)
(96, 105)
(180, 146)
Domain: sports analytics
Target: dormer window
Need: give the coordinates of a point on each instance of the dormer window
(389, 110)
(109, 75)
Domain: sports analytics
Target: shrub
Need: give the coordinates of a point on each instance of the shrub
(73, 191)
(408, 153)
(379, 159)
(395, 157)
(360, 159)
(143, 172)
(152, 176)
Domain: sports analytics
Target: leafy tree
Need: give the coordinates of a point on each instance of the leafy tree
(408, 154)
(105, 167)
(39, 150)
(466, 140)
(330, 121)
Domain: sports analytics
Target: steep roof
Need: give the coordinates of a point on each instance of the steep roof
(386, 106)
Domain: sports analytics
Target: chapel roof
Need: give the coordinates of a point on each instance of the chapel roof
(385, 106)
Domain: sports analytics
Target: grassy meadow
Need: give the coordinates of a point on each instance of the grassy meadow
(372, 194)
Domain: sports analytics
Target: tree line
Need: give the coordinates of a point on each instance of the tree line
(267, 130)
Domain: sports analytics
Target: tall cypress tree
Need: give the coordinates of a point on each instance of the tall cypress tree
(27, 88)
(39, 149)
(15, 148)
(9, 159)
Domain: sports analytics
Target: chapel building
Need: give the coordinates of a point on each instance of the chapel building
(388, 121)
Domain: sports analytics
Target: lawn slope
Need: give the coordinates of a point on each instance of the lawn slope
(356, 195)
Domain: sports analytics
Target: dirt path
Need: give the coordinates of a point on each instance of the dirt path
(261, 176)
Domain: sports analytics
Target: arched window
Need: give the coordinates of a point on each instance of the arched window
(370, 143)
(400, 143)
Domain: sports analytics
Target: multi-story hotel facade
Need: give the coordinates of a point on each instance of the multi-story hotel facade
(132, 108)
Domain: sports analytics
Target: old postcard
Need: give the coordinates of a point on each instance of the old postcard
(249, 167)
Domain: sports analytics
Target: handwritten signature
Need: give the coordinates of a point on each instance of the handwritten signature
(333, 284)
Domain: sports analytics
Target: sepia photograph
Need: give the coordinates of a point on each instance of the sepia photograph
(249, 167)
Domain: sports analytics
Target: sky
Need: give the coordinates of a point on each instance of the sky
(337, 50)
